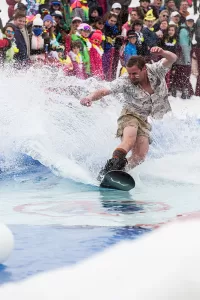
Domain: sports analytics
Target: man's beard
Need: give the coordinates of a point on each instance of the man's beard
(136, 81)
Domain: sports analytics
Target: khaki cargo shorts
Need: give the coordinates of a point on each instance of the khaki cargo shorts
(128, 118)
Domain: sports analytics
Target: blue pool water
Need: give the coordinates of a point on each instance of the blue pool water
(44, 248)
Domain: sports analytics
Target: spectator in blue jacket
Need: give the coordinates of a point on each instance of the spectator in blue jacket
(130, 48)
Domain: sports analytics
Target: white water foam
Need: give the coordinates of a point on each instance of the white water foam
(51, 125)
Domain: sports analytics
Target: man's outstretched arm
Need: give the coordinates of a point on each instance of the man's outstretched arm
(87, 101)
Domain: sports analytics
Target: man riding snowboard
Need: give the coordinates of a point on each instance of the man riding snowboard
(145, 94)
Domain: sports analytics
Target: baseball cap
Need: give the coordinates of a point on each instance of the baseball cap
(57, 13)
(174, 14)
(76, 19)
(190, 18)
(131, 33)
(116, 5)
(55, 3)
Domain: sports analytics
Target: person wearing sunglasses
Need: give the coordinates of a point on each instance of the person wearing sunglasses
(163, 16)
(98, 24)
(11, 49)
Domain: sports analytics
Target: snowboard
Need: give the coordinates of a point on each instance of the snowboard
(118, 180)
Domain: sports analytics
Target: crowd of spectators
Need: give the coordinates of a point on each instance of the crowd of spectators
(93, 37)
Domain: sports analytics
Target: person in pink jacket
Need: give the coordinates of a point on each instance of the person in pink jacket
(96, 53)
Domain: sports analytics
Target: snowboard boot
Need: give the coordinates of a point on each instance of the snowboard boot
(115, 163)
(185, 94)
(173, 92)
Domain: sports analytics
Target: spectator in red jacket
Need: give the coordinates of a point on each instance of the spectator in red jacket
(5, 44)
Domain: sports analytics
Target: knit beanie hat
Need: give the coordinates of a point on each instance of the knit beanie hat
(97, 35)
(38, 21)
(48, 18)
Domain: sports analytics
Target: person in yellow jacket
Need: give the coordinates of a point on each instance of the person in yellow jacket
(64, 59)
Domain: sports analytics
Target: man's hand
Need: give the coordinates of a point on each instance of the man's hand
(86, 101)
(97, 95)
(157, 51)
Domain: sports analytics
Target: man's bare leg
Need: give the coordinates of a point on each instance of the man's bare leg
(139, 152)
(128, 139)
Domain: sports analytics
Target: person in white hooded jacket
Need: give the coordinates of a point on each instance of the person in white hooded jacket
(37, 44)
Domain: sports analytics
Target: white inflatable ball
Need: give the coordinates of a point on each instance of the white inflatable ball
(6, 242)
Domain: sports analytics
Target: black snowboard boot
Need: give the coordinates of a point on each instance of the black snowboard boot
(185, 94)
(173, 92)
(111, 165)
